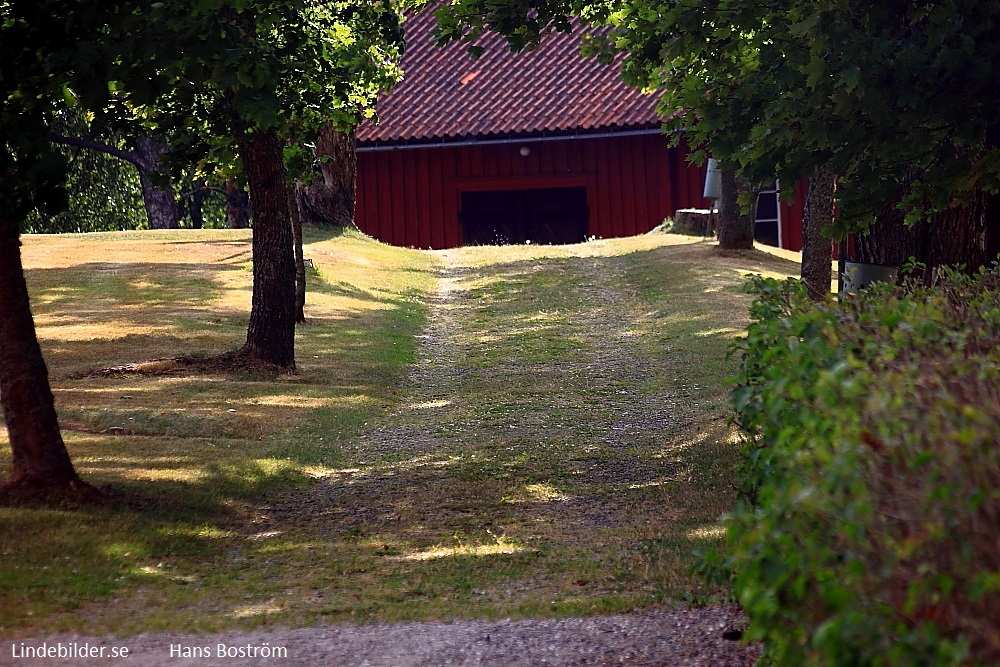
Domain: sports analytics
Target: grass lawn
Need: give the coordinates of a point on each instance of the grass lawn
(558, 446)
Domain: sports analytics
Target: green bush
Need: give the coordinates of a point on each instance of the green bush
(869, 527)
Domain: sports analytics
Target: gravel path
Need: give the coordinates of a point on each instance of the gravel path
(684, 637)
(680, 637)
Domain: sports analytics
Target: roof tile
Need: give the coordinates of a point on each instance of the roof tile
(446, 94)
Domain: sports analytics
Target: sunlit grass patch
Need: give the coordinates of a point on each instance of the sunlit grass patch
(496, 546)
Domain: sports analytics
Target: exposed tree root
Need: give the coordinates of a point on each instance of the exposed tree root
(745, 253)
(231, 363)
(26, 490)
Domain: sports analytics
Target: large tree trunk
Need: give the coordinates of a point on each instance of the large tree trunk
(958, 235)
(41, 468)
(735, 229)
(993, 228)
(271, 333)
(161, 207)
(954, 236)
(331, 201)
(300, 262)
(888, 241)
(237, 206)
(816, 269)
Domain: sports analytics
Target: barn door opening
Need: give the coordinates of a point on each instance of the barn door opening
(542, 215)
(767, 222)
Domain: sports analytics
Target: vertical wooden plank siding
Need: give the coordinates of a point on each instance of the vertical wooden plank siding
(631, 190)
(562, 158)
(792, 215)
(435, 196)
(411, 200)
(639, 174)
(655, 187)
(485, 159)
(417, 202)
(453, 230)
(362, 199)
(411, 196)
(615, 194)
(600, 215)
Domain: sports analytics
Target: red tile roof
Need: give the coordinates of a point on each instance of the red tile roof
(446, 95)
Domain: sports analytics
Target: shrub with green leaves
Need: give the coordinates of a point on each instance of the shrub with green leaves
(869, 528)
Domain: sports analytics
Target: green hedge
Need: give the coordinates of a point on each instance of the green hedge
(869, 527)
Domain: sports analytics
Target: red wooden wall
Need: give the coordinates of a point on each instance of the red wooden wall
(411, 196)
(792, 214)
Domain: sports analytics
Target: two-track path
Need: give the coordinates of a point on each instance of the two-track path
(455, 352)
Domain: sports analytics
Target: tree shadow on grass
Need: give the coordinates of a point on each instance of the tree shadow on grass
(147, 533)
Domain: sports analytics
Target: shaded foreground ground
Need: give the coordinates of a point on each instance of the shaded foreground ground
(559, 448)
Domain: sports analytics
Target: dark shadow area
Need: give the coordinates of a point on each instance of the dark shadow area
(544, 216)
(145, 533)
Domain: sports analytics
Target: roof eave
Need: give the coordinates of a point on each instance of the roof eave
(520, 137)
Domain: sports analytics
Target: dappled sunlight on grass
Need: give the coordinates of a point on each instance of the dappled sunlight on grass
(429, 405)
(729, 332)
(536, 493)
(259, 609)
(713, 533)
(647, 485)
(571, 454)
(143, 474)
(268, 534)
(501, 546)
(210, 532)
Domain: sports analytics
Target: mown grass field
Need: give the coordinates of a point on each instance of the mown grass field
(506, 477)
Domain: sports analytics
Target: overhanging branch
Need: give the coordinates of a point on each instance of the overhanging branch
(100, 146)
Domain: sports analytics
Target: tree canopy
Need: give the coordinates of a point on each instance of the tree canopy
(217, 79)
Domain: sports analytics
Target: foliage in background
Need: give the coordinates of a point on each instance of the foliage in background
(103, 193)
(867, 535)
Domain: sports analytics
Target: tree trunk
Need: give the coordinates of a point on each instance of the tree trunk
(958, 236)
(331, 201)
(954, 236)
(993, 228)
(161, 208)
(271, 333)
(888, 241)
(300, 263)
(816, 269)
(41, 468)
(197, 205)
(735, 229)
(237, 206)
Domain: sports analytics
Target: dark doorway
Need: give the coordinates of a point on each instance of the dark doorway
(766, 222)
(544, 215)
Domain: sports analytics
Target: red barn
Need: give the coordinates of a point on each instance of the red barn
(544, 146)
